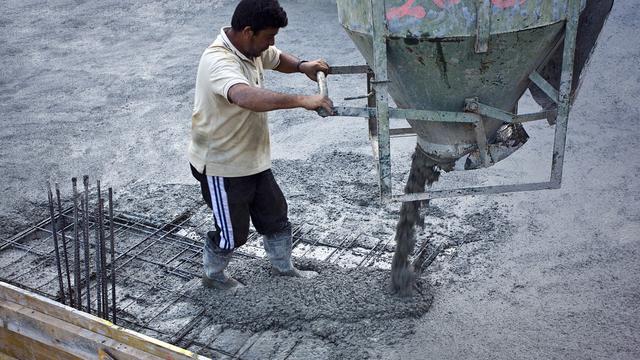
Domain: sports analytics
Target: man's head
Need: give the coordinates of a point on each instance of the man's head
(256, 23)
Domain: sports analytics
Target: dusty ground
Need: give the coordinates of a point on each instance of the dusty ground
(105, 88)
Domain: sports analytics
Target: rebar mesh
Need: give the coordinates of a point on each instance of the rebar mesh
(156, 263)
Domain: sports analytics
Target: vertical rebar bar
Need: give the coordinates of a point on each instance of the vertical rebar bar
(85, 238)
(103, 262)
(65, 255)
(98, 258)
(55, 243)
(76, 245)
(113, 256)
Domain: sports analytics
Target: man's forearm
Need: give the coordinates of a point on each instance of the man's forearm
(260, 100)
(288, 64)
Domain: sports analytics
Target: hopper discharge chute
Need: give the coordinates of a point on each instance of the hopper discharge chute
(456, 70)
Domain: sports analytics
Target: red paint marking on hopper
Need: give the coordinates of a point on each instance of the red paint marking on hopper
(418, 12)
(445, 3)
(502, 4)
(407, 9)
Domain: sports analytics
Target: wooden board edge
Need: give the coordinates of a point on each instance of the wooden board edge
(94, 324)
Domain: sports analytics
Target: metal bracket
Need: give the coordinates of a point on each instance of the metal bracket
(472, 105)
(349, 69)
(483, 26)
(350, 98)
(544, 85)
(481, 139)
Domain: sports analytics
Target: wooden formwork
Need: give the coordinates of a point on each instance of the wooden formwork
(35, 327)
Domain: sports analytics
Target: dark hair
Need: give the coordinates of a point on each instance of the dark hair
(259, 15)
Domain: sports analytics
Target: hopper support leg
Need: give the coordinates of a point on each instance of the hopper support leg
(381, 96)
(566, 80)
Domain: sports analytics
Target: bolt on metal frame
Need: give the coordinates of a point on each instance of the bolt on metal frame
(378, 111)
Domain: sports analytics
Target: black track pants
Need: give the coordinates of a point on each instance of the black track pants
(235, 200)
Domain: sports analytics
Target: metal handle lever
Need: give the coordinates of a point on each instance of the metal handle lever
(323, 89)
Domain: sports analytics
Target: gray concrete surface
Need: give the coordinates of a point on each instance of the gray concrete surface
(105, 88)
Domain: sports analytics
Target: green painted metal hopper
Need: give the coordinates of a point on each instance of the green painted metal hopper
(442, 52)
(456, 70)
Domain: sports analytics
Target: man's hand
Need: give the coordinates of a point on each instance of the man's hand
(311, 68)
(315, 102)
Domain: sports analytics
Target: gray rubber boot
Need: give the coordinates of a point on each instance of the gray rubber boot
(215, 261)
(278, 248)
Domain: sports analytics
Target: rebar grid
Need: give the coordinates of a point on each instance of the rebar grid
(148, 254)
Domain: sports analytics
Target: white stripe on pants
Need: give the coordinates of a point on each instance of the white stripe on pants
(220, 205)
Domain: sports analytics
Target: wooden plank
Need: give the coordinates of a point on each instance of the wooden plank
(70, 316)
(62, 337)
(104, 355)
(16, 346)
(4, 356)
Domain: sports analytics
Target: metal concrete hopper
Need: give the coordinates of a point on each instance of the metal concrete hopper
(456, 70)
(435, 61)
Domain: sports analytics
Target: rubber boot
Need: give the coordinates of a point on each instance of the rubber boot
(278, 248)
(215, 261)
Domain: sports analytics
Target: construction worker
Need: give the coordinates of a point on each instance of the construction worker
(230, 149)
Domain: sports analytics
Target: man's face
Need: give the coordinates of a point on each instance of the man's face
(261, 40)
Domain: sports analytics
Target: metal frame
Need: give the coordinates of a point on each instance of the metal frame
(378, 111)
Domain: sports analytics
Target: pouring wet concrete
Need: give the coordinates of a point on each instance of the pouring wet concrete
(344, 307)
(423, 173)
